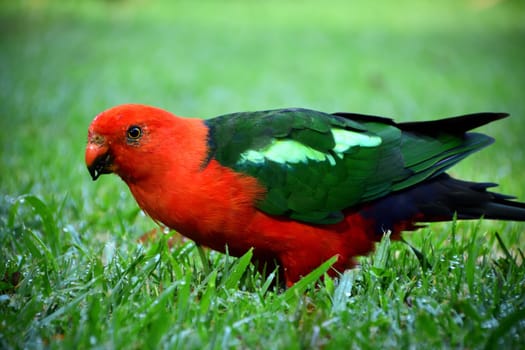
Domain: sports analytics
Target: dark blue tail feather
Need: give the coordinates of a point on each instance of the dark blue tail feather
(438, 200)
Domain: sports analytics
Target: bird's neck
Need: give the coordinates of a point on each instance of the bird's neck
(194, 195)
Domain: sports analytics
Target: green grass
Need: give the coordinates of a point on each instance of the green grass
(72, 273)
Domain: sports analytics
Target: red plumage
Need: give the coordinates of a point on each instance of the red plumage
(168, 171)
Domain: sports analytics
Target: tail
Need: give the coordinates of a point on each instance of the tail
(439, 199)
(454, 125)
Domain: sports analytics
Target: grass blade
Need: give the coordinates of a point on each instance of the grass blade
(307, 281)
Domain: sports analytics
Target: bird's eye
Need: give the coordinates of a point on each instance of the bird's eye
(134, 133)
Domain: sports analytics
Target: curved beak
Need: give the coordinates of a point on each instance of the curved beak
(98, 160)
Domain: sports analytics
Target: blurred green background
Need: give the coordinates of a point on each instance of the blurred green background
(63, 62)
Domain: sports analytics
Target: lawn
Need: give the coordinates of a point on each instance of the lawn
(73, 274)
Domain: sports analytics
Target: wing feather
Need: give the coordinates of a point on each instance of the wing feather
(314, 165)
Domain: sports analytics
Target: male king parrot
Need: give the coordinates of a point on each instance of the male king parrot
(298, 186)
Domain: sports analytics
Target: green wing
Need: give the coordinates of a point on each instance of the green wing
(314, 165)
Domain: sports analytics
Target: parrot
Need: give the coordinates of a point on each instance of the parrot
(296, 186)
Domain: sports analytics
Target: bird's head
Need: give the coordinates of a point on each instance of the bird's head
(134, 141)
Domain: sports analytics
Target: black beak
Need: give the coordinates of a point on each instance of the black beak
(101, 165)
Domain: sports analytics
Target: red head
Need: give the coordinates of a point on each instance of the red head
(135, 141)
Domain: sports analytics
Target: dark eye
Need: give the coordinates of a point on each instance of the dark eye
(134, 132)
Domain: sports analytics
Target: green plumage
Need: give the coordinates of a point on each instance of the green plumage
(314, 165)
